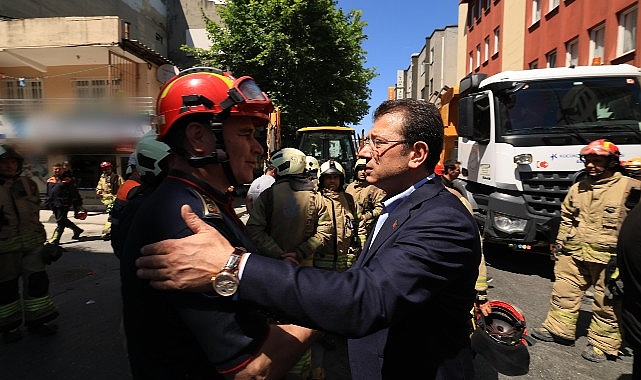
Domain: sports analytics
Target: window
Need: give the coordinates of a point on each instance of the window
(470, 62)
(22, 88)
(572, 52)
(597, 45)
(553, 4)
(431, 55)
(534, 64)
(473, 15)
(95, 88)
(497, 34)
(486, 51)
(551, 58)
(478, 56)
(536, 11)
(486, 5)
(627, 34)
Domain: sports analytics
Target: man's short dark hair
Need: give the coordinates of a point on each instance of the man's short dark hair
(422, 122)
(449, 165)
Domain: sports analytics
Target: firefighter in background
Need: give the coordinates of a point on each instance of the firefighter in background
(342, 250)
(633, 167)
(152, 158)
(313, 170)
(22, 254)
(63, 195)
(107, 188)
(591, 216)
(368, 201)
(290, 221)
(344, 247)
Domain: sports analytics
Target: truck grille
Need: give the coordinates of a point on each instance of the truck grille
(544, 191)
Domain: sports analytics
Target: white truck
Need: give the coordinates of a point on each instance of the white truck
(519, 137)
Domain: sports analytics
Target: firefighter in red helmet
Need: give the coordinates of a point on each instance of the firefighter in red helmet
(586, 245)
(208, 119)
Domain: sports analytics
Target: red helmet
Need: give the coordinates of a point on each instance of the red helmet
(601, 147)
(439, 168)
(209, 90)
(105, 164)
(502, 339)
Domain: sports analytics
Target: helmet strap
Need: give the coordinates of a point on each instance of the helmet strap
(219, 156)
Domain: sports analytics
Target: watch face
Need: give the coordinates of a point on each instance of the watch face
(225, 284)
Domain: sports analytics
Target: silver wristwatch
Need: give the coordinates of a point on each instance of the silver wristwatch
(225, 282)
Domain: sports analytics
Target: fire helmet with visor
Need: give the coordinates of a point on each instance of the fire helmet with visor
(313, 168)
(149, 154)
(209, 90)
(601, 147)
(105, 165)
(502, 338)
(211, 94)
(332, 167)
(289, 161)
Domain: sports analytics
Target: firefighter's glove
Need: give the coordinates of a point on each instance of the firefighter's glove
(51, 252)
(556, 249)
(482, 304)
(613, 282)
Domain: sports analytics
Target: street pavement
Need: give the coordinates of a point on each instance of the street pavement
(85, 287)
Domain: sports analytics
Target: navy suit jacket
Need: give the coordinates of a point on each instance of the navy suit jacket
(406, 302)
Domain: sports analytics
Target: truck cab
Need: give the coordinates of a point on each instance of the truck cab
(519, 137)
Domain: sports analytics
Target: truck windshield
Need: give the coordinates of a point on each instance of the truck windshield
(571, 105)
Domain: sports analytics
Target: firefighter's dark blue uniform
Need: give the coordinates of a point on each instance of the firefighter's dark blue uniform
(182, 335)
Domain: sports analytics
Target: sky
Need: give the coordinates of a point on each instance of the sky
(396, 29)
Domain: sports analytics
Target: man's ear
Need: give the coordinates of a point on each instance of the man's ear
(194, 136)
(418, 155)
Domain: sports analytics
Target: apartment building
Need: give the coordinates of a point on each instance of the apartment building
(431, 70)
(514, 35)
(498, 35)
(78, 80)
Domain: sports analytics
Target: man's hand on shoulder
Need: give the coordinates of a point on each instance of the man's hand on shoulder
(188, 263)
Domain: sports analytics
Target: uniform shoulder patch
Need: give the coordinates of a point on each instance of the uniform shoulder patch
(211, 209)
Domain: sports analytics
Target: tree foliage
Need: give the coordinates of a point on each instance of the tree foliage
(305, 54)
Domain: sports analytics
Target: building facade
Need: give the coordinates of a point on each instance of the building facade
(431, 70)
(498, 35)
(516, 35)
(78, 80)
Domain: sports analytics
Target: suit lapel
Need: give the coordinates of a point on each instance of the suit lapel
(397, 218)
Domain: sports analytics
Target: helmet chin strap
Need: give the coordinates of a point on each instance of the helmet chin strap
(218, 156)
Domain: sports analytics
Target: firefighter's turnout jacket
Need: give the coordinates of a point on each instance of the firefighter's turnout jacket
(344, 246)
(591, 216)
(22, 237)
(290, 216)
(109, 185)
(368, 206)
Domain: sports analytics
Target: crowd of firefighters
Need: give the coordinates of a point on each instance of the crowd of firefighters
(310, 215)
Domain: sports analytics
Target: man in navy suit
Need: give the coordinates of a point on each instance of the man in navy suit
(405, 304)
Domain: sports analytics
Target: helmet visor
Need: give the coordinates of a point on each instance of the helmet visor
(245, 90)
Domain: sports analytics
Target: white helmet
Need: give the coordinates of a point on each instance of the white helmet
(289, 161)
(332, 167)
(149, 153)
(312, 166)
